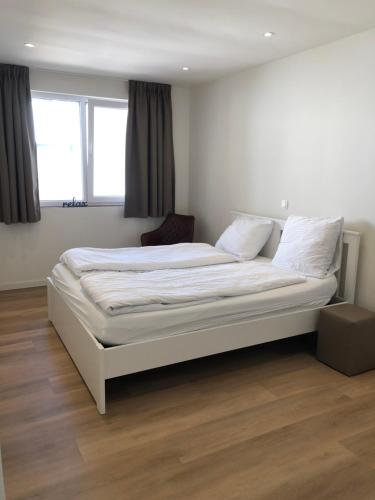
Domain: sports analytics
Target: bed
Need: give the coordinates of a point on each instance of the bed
(104, 347)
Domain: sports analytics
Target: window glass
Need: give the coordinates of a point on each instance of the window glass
(109, 152)
(59, 148)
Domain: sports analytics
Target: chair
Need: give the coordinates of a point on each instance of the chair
(175, 229)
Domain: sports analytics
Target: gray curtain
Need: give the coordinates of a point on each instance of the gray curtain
(150, 175)
(19, 196)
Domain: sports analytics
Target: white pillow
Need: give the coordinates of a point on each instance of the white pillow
(310, 246)
(245, 237)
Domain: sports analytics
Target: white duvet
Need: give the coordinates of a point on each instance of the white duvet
(181, 255)
(125, 292)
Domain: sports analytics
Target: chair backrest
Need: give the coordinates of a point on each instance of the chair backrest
(177, 229)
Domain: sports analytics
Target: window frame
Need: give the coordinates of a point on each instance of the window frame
(86, 113)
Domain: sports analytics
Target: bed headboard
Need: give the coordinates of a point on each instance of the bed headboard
(346, 277)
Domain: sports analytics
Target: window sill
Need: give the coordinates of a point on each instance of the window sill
(53, 204)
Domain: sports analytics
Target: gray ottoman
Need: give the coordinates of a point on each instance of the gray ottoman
(346, 338)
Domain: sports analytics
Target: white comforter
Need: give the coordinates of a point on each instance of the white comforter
(120, 293)
(182, 255)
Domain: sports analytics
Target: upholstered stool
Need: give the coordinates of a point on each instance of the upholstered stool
(346, 338)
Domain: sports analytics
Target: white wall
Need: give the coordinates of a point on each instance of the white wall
(301, 128)
(29, 251)
(72, 83)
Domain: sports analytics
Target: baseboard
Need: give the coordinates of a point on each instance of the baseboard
(22, 284)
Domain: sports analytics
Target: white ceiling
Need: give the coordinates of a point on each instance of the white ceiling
(153, 39)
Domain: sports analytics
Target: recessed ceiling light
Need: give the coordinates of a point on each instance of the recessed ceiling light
(185, 68)
(29, 45)
(268, 34)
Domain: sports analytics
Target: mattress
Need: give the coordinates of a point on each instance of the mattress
(141, 326)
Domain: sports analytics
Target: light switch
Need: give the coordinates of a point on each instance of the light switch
(285, 204)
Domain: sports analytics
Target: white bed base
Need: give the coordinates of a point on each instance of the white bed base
(96, 363)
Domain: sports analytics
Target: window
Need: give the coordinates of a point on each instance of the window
(81, 148)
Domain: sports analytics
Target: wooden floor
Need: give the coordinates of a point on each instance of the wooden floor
(268, 422)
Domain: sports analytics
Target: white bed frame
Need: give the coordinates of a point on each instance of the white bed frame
(96, 363)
